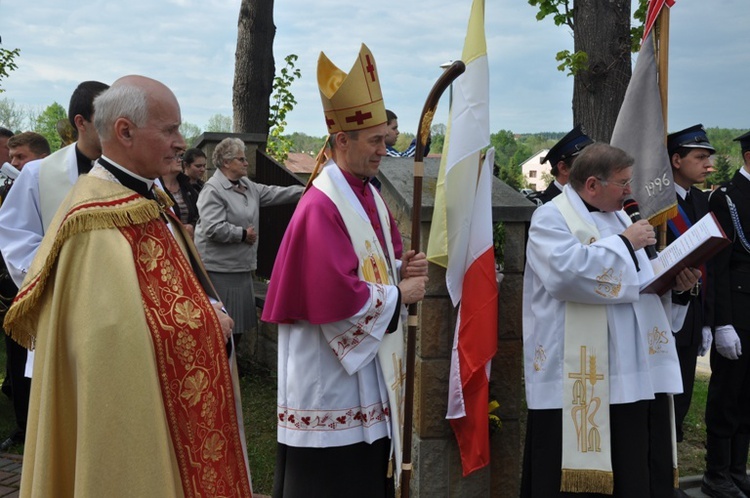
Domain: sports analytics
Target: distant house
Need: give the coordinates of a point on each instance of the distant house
(533, 171)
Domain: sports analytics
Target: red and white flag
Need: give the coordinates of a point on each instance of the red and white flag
(461, 241)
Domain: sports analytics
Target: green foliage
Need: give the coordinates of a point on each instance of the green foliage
(190, 132)
(7, 62)
(728, 158)
(498, 241)
(562, 13)
(282, 102)
(560, 10)
(511, 174)
(46, 124)
(437, 138)
(219, 123)
(574, 62)
(404, 140)
(301, 142)
(636, 31)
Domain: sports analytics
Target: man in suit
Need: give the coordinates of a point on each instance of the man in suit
(728, 403)
(690, 156)
(561, 157)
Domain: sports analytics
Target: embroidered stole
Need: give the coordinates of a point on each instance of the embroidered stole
(586, 459)
(375, 267)
(194, 375)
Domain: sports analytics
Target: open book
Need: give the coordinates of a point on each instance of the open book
(693, 248)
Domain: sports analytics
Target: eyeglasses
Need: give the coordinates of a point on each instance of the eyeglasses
(622, 185)
(240, 159)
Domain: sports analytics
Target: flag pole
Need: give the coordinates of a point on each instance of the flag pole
(662, 69)
(423, 132)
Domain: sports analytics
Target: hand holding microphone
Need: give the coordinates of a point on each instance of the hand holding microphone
(640, 234)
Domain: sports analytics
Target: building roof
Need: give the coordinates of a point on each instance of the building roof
(299, 162)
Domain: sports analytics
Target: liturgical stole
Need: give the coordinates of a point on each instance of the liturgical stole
(376, 267)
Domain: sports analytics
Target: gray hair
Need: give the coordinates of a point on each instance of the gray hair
(226, 150)
(599, 160)
(119, 101)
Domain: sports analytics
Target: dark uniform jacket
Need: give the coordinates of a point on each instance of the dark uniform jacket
(549, 193)
(732, 264)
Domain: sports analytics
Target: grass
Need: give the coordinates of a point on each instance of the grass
(691, 452)
(258, 388)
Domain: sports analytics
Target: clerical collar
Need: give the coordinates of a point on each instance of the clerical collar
(84, 163)
(591, 208)
(128, 178)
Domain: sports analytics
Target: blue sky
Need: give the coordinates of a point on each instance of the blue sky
(190, 45)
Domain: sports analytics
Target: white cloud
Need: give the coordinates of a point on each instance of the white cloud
(190, 45)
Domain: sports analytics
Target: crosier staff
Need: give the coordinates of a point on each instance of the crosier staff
(423, 131)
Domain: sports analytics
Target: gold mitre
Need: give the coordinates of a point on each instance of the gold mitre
(351, 101)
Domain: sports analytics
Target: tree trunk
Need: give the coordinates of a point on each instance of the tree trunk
(602, 30)
(254, 67)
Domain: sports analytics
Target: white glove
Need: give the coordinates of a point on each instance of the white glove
(706, 343)
(727, 342)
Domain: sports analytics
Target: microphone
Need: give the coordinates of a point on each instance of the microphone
(10, 171)
(633, 211)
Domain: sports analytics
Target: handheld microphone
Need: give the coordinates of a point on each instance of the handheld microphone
(9, 171)
(633, 211)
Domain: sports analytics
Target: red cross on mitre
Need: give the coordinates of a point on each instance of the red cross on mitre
(370, 67)
(359, 117)
(330, 122)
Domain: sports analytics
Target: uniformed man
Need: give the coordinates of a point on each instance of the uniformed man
(690, 156)
(728, 403)
(561, 157)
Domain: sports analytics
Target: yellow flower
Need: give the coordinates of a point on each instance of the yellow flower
(151, 252)
(213, 447)
(194, 387)
(187, 314)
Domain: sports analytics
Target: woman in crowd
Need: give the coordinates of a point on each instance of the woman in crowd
(194, 166)
(227, 233)
(184, 196)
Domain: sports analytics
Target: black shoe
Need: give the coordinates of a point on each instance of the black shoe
(720, 486)
(742, 482)
(16, 438)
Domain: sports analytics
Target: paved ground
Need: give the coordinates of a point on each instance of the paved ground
(10, 475)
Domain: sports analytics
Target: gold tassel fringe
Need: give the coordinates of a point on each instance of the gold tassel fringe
(20, 321)
(663, 216)
(587, 481)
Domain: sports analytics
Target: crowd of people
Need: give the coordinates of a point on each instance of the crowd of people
(131, 281)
